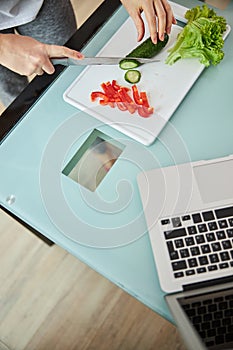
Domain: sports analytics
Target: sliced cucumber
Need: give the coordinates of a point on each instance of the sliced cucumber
(132, 76)
(147, 49)
(129, 63)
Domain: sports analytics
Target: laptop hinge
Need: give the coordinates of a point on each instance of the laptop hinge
(209, 283)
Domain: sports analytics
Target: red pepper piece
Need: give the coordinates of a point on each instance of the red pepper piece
(144, 99)
(101, 95)
(136, 95)
(108, 90)
(145, 112)
(115, 85)
(122, 106)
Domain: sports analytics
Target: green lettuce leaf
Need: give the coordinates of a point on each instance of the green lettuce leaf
(201, 37)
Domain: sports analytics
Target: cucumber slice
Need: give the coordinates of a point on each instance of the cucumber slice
(129, 63)
(132, 76)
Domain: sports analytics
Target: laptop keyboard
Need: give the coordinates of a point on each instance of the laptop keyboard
(213, 318)
(200, 242)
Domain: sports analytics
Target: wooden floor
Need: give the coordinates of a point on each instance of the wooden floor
(51, 301)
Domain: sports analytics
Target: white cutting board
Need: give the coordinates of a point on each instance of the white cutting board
(165, 85)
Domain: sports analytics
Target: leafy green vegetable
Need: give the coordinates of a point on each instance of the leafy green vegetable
(201, 37)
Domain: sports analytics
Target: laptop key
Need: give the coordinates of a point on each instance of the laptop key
(202, 228)
(192, 230)
(208, 215)
(223, 265)
(226, 244)
(196, 218)
(203, 260)
(230, 233)
(189, 241)
(174, 255)
(229, 337)
(205, 248)
(184, 253)
(224, 256)
(165, 222)
(221, 234)
(179, 274)
(210, 237)
(216, 246)
(179, 243)
(226, 321)
(224, 212)
(176, 222)
(178, 232)
(201, 310)
(195, 251)
(179, 265)
(212, 226)
(211, 332)
(214, 258)
(219, 339)
(222, 224)
(200, 239)
(201, 270)
(170, 246)
(188, 217)
(192, 262)
(172, 252)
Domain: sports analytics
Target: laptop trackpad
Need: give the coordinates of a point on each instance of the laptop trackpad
(215, 180)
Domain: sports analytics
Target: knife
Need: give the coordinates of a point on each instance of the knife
(86, 61)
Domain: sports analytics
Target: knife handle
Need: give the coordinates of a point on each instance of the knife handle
(62, 61)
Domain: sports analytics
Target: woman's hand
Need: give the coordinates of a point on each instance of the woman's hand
(26, 56)
(155, 11)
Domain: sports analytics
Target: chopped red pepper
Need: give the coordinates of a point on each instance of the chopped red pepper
(145, 112)
(122, 106)
(101, 95)
(115, 85)
(136, 95)
(144, 99)
(115, 95)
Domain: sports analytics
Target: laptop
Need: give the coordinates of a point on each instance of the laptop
(189, 214)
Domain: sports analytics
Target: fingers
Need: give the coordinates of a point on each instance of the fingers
(40, 71)
(160, 11)
(56, 51)
(151, 13)
(134, 9)
(62, 51)
(159, 16)
(139, 26)
(47, 67)
(170, 19)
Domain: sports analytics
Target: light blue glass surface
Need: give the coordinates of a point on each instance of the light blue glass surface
(32, 156)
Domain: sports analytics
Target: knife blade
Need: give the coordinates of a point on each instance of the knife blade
(86, 61)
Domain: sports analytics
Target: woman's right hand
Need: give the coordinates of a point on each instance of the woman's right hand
(26, 56)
